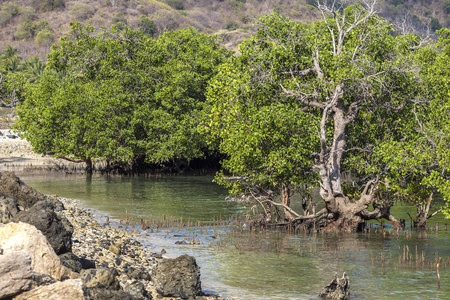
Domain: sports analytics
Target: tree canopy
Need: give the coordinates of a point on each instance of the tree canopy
(332, 76)
(122, 96)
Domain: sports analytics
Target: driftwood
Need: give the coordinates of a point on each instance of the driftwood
(337, 289)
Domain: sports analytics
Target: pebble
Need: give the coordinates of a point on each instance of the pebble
(109, 246)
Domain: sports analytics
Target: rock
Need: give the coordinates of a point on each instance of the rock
(15, 273)
(71, 261)
(99, 278)
(66, 290)
(105, 294)
(337, 289)
(25, 237)
(114, 249)
(56, 228)
(13, 187)
(137, 290)
(87, 264)
(135, 273)
(40, 279)
(179, 277)
(8, 209)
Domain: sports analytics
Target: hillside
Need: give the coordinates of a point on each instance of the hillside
(32, 26)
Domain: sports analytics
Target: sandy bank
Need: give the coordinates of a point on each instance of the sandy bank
(18, 155)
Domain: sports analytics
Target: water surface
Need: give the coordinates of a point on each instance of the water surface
(245, 264)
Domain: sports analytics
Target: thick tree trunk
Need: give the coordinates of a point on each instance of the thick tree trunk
(344, 214)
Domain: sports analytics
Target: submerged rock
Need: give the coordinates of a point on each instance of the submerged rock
(337, 289)
(179, 277)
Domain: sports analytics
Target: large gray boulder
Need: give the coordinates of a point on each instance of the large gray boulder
(179, 277)
(15, 273)
(57, 229)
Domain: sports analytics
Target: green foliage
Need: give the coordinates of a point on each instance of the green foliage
(269, 144)
(81, 11)
(5, 17)
(417, 161)
(17, 74)
(398, 2)
(11, 8)
(434, 24)
(277, 73)
(45, 37)
(119, 18)
(27, 12)
(30, 29)
(121, 96)
(147, 26)
(176, 4)
(48, 5)
(446, 7)
(232, 25)
(24, 31)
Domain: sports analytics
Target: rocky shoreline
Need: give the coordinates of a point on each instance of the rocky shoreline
(93, 260)
(112, 247)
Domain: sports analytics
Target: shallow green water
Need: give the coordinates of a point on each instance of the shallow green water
(264, 265)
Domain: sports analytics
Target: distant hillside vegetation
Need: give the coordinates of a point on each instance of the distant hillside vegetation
(32, 26)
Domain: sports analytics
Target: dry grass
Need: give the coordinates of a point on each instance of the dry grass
(209, 16)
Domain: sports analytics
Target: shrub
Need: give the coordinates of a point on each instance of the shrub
(11, 7)
(434, 24)
(232, 25)
(81, 11)
(41, 25)
(176, 4)
(45, 37)
(48, 5)
(446, 7)
(116, 3)
(4, 17)
(25, 30)
(119, 19)
(245, 19)
(22, 34)
(147, 26)
(26, 11)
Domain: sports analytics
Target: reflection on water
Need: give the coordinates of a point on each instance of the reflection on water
(248, 264)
